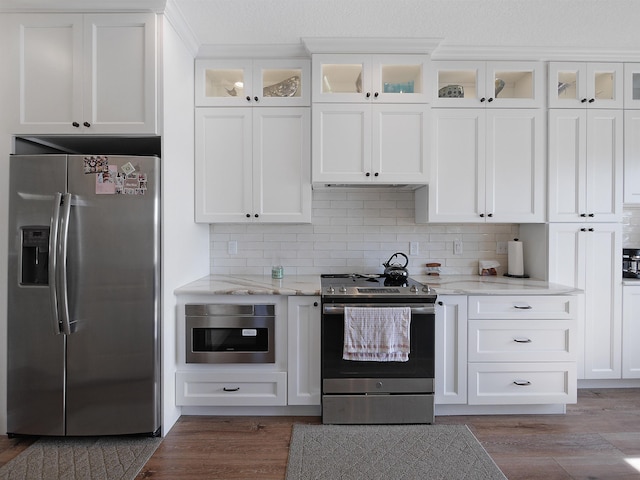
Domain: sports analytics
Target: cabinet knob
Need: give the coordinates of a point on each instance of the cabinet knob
(248, 216)
(584, 100)
(482, 100)
(376, 174)
(592, 215)
(368, 174)
(87, 124)
(490, 215)
(440, 303)
(368, 94)
(583, 214)
(591, 229)
(248, 98)
(256, 215)
(315, 304)
(75, 124)
(376, 94)
(256, 99)
(591, 100)
(583, 229)
(482, 215)
(490, 100)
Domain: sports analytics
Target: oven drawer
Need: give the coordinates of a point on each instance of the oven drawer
(377, 409)
(532, 341)
(231, 388)
(514, 307)
(522, 383)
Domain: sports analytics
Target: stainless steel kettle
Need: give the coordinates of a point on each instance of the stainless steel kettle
(394, 270)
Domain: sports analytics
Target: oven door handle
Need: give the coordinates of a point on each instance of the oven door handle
(334, 309)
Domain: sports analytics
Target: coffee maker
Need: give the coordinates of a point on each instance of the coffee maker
(630, 263)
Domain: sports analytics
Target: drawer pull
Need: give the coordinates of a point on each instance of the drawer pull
(523, 306)
(522, 340)
(231, 389)
(522, 383)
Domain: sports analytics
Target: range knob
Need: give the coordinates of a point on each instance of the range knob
(331, 290)
(343, 289)
(413, 289)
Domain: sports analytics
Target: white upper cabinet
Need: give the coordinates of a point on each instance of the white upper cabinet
(356, 78)
(632, 85)
(632, 156)
(252, 165)
(273, 82)
(585, 165)
(487, 84)
(582, 85)
(93, 74)
(487, 166)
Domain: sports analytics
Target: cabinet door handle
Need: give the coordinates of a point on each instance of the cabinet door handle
(235, 389)
(75, 124)
(522, 340)
(490, 100)
(482, 100)
(523, 306)
(591, 100)
(87, 124)
(522, 383)
(584, 100)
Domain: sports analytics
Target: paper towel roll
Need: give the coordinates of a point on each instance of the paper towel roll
(515, 258)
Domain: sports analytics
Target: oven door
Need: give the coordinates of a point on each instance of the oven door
(371, 377)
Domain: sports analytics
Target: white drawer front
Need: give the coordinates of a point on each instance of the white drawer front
(522, 384)
(532, 341)
(231, 389)
(514, 307)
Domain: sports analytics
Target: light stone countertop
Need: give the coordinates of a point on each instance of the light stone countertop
(493, 285)
(310, 285)
(252, 285)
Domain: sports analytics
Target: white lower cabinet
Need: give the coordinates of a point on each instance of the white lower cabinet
(451, 349)
(521, 350)
(234, 389)
(304, 350)
(630, 331)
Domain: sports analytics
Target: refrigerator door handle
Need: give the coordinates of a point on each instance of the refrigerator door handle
(63, 297)
(54, 231)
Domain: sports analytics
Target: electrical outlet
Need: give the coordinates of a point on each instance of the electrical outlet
(457, 247)
(501, 248)
(232, 247)
(414, 248)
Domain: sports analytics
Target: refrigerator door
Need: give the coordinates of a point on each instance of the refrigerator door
(114, 289)
(35, 359)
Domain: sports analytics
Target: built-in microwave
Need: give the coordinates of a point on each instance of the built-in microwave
(230, 333)
(630, 263)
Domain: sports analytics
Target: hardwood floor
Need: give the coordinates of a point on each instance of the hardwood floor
(592, 441)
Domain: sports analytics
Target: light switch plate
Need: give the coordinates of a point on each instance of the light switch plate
(232, 247)
(414, 248)
(457, 247)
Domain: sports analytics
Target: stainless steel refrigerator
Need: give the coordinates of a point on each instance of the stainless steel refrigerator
(84, 295)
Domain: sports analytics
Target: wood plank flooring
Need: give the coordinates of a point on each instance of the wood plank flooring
(592, 441)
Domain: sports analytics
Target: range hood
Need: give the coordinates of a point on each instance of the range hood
(386, 186)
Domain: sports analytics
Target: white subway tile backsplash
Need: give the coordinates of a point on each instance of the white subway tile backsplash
(355, 230)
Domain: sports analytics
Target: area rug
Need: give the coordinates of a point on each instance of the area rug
(356, 452)
(81, 458)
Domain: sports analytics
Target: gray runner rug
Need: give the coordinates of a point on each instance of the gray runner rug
(384, 452)
(81, 458)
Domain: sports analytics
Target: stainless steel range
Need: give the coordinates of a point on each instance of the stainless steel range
(379, 387)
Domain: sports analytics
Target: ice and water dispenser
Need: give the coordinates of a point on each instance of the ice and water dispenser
(35, 255)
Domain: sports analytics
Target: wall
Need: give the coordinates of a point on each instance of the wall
(355, 230)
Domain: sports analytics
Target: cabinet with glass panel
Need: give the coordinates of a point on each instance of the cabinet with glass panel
(585, 85)
(488, 84)
(273, 82)
(355, 78)
(632, 85)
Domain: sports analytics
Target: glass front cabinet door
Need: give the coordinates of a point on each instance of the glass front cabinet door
(352, 78)
(488, 84)
(252, 82)
(632, 85)
(585, 85)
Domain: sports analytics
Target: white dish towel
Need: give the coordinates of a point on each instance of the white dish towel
(377, 334)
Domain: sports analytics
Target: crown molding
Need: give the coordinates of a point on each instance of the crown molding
(524, 53)
(175, 17)
(34, 6)
(423, 46)
(252, 51)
